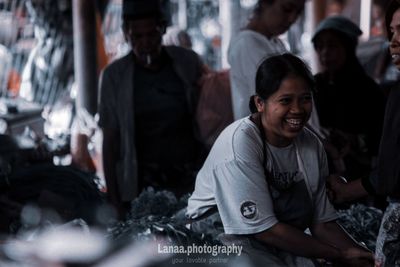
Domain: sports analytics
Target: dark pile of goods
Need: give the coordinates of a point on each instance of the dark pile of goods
(155, 214)
(69, 192)
(362, 223)
(29, 178)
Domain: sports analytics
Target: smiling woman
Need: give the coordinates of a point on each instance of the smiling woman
(394, 33)
(388, 242)
(265, 177)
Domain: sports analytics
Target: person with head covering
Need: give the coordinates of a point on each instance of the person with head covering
(350, 105)
(147, 108)
(258, 39)
(265, 178)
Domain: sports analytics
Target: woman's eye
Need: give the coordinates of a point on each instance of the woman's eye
(284, 101)
(306, 99)
(292, 9)
(288, 9)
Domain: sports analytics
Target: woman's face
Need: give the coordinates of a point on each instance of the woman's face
(285, 113)
(331, 51)
(280, 15)
(395, 41)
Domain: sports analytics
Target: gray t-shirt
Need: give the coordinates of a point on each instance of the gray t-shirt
(233, 179)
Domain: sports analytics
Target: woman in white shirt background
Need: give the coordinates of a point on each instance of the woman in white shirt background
(257, 40)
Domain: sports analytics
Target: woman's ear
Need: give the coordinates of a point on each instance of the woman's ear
(163, 27)
(125, 32)
(259, 102)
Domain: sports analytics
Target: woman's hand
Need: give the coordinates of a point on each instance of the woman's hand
(339, 191)
(356, 257)
(347, 251)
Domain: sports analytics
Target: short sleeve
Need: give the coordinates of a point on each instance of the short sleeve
(243, 198)
(324, 210)
(107, 102)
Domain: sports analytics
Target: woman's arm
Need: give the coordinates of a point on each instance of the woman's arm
(333, 234)
(288, 238)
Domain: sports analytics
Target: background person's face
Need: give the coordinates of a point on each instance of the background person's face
(395, 41)
(280, 15)
(331, 51)
(145, 37)
(286, 111)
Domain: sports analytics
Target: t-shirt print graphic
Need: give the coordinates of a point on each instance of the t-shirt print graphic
(248, 209)
(283, 180)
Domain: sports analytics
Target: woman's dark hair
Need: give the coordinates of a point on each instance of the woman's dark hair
(258, 8)
(273, 70)
(391, 9)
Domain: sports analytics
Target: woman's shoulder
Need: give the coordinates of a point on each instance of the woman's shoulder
(239, 131)
(240, 140)
(249, 38)
(242, 41)
(243, 34)
(308, 137)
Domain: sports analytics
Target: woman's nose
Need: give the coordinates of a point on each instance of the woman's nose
(395, 41)
(296, 107)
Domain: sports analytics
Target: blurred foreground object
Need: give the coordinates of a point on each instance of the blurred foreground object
(17, 114)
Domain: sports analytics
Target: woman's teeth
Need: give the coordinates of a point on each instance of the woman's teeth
(293, 121)
(396, 57)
